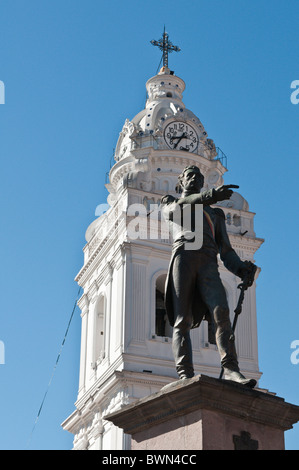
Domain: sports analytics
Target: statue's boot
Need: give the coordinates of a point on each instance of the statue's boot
(226, 346)
(236, 376)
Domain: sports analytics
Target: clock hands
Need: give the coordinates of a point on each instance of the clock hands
(180, 138)
(184, 135)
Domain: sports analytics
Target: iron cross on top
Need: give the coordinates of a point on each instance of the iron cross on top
(165, 46)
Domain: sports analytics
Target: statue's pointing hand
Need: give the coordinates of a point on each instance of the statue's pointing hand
(225, 192)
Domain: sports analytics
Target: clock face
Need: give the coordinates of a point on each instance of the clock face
(181, 136)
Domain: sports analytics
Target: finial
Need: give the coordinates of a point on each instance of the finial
(165, 46)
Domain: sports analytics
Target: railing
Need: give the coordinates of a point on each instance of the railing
(221, 157)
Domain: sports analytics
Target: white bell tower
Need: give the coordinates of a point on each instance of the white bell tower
(126, 350)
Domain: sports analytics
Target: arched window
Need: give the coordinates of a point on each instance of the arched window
(165, 186)
(162, 325)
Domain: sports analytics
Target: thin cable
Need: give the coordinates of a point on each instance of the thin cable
(55, 367)
(159, 66)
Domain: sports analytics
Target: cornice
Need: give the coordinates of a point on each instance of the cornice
(103, 249)
(90, 402)
(203, 392)
(185, 159)
(245, 243)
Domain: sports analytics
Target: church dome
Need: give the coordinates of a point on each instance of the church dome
(164, 101)
(237, 201)
(164, 104)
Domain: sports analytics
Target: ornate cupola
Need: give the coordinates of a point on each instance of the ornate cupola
(161, 139)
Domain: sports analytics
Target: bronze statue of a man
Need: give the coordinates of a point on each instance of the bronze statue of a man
(194, 290)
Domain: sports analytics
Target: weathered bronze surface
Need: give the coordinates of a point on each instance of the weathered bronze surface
(194, 290)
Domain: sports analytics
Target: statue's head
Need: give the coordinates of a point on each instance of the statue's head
(191, 179)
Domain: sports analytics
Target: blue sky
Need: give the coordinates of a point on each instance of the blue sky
(73, 71)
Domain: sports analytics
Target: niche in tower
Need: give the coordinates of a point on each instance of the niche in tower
(99, 337)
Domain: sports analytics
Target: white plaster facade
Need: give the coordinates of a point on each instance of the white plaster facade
(123, 355)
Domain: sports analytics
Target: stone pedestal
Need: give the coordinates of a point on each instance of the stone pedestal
(204, 413)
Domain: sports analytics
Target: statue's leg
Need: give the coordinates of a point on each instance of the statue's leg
(224, 338)
(213, 294)
(183, 284)
(226, 345)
